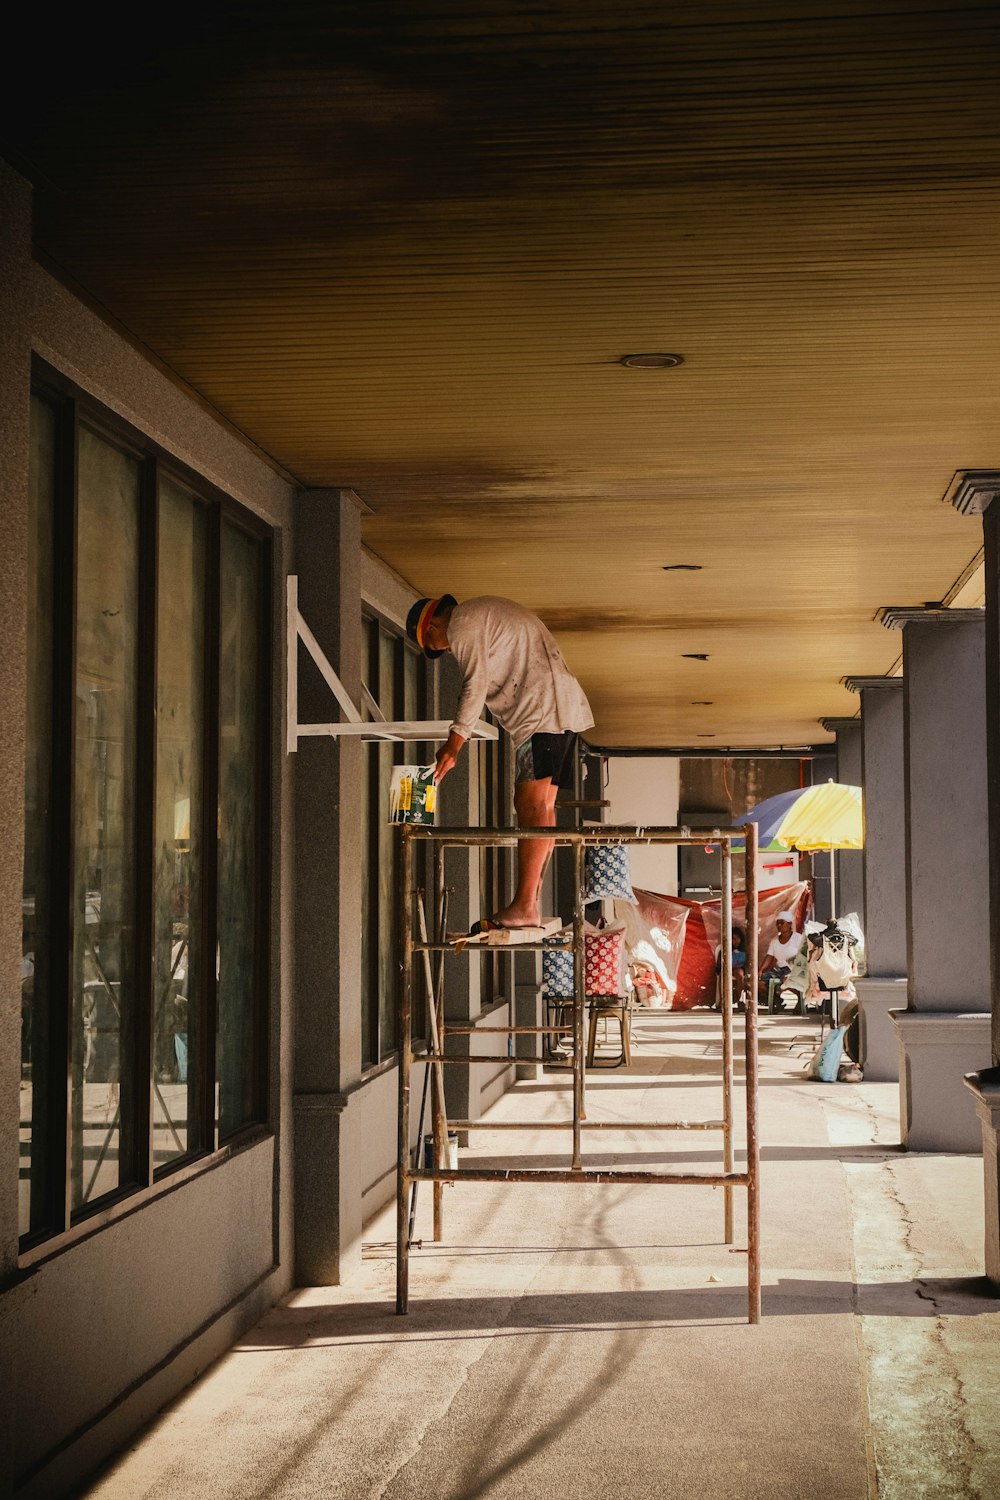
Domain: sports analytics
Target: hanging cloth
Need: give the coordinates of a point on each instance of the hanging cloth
(835, 964)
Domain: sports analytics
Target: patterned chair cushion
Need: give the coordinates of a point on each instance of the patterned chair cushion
(557, 969)
(604, 964)
(607, 873)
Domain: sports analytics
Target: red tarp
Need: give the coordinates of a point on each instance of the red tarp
(694, 974)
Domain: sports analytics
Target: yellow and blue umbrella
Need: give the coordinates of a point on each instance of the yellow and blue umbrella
(829, 815)
(769, 816)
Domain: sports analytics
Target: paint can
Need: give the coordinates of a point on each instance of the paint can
(450, 1163)
(412, 795)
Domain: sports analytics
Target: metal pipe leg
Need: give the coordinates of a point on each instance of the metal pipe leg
(753, 1130)
(727, 1033)
(405, 1057)
(579, 1005)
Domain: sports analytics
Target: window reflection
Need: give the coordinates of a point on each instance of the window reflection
(146, 652)
(178, 1002)
(397, 677)
(35, 945)
(104, 793)
(369, 930)
(388, 839)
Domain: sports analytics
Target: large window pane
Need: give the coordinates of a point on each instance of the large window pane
(178, 1000)
(369, 862)
(411, 691)
(238, 853)
(418, 753)
(36, 1113)
(104, 997)
(387, 842)
(145, 834)
(397, 678)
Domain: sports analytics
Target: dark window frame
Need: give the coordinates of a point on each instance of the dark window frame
(374, 1056)
(57, 1224)
(497, 866)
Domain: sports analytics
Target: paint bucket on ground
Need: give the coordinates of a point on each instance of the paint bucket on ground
(450, 1162)
(412, 795)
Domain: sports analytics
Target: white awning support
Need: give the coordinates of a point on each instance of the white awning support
(352, 724)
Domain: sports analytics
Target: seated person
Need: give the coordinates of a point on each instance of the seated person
(739, 966)
(780, 952)
(739, 963)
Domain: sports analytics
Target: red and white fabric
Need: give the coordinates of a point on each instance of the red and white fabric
(604, 960)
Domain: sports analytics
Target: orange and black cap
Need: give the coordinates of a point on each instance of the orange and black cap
(420, 617)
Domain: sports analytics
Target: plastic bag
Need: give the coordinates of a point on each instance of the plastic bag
(825, 1061)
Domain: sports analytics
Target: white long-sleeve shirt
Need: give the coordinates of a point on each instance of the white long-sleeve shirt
(511, 663)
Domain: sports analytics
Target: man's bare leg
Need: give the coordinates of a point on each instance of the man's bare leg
(535, 805)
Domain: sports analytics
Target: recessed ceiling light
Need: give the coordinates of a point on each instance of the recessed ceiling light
(682, 567)
(702, 702)
(695, 655)
(651, 361)
(707, 736)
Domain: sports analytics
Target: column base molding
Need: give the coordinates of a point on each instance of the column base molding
(529, 1010)
(985, 1089)
(936, 1050)
(877, 997)
(345, 1160)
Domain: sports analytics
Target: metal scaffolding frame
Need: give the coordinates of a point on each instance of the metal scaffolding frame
(437, 1056)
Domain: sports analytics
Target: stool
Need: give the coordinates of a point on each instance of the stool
(558, 1050)
(605, 1008)
(774, 994)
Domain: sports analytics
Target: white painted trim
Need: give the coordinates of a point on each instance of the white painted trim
(396, 729)
(373, 707)
(291, 663)
(941, 1028)
(327, 673)
(352, 725)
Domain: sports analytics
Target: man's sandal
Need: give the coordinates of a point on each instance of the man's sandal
(494, 924)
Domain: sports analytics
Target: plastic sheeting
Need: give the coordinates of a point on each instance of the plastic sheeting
(654, 940)
(679, 938)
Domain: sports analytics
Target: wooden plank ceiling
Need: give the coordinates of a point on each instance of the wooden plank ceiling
(403, 247)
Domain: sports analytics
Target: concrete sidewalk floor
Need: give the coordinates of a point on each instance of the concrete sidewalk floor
(591, 1341)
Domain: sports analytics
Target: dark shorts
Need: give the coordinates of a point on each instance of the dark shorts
(546, 757)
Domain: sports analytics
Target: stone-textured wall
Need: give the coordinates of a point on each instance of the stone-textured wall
(885, 847)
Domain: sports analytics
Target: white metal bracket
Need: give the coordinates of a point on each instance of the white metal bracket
(352, 724)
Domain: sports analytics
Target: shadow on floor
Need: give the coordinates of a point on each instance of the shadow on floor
(651, 1155)
(604, 1312)
(688, 1072)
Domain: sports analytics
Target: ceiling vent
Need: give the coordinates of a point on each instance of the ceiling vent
(651, 361)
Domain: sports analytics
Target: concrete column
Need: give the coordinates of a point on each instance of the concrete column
(985, 1089)
(849, 862)
(884, 872)
(944, 1030)
(977, 493)
(328, 1182)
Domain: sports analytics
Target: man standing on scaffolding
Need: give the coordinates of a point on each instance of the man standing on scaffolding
(511, 664)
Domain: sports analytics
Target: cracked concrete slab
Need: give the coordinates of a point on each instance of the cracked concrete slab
(929, 1323)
